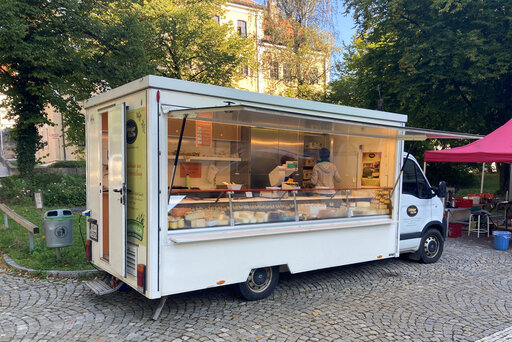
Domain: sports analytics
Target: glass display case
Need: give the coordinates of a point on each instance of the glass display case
(244, 168)
(241, 207)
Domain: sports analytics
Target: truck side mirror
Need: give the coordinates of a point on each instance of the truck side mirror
(441, 190)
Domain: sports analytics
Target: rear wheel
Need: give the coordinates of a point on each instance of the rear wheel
(431, 246)
(260, 283)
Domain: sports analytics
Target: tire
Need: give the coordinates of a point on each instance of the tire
(260, 283)
(431, 246)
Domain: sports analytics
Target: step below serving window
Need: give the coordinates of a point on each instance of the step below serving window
(245, 167)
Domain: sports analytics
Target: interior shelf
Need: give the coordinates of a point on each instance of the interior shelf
(198, 158)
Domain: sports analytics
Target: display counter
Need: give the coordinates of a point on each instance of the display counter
(230, 169)
(191, 209)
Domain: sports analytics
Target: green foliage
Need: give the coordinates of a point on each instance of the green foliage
(454, 174)
(14, 242)
(55, 188)
(306, 92)
(491, 186)
(190, 45)
(443, 63)
(68, 164)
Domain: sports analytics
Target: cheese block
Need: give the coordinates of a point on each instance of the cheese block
(198, 214)
(198, 223)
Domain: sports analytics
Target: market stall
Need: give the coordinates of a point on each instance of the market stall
(494, 147)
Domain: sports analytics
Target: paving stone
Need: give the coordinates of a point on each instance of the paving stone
(463, 297)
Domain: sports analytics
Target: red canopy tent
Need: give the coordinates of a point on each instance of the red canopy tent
(494, 147)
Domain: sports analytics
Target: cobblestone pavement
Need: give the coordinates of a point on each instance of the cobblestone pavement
(463, 297)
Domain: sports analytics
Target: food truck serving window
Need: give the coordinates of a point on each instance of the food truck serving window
(252, 167)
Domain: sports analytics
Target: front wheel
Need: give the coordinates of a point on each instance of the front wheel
(260, 283)
(431, 246)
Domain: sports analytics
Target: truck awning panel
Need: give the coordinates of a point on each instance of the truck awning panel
(291, 120)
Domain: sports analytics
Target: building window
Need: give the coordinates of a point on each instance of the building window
(217, 19)
(245, 70)
(241, 27)
(274, 70)
(287, 72)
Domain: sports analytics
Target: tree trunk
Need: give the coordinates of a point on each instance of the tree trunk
(27, 143)
(30, 111)
(504, 170)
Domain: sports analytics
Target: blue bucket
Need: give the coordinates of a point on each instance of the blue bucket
(501, 240)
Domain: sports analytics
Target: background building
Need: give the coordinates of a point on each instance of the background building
(274, 73)
(55, 141)
(6, 144)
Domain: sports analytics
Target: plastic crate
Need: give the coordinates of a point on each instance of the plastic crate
(482, 195)
(463, 203)
(455, 230)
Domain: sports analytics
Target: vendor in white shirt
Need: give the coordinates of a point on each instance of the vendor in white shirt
(325, 173)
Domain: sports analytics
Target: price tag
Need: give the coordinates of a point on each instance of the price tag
(248, 194)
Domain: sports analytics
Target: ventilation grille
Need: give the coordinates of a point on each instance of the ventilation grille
(131, 260)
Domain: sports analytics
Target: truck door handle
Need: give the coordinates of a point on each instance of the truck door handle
(122, 191)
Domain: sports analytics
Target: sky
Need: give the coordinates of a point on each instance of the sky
(345, 29)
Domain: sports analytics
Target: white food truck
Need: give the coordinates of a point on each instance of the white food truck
(193, 186)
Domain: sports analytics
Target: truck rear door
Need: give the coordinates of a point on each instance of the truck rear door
(117, 188)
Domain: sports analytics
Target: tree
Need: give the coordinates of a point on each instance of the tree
(58, 53)
(298, 41)
(446, 64)
(55, 53)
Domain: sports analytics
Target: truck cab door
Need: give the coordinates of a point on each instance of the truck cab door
(415, 206)
(117, 188)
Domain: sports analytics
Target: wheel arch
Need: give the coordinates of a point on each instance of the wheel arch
(437, 225)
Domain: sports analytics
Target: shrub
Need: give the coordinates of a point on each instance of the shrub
(57, 190)
(68, 164)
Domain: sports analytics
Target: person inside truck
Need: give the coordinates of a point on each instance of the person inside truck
(325, 173)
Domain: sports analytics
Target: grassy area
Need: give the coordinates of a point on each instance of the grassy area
(14, 242)
(491, 185)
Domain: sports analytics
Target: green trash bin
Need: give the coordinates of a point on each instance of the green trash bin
(58, 228)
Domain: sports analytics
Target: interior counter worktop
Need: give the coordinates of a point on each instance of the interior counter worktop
(267, 199)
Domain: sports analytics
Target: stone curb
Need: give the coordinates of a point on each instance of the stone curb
(55, 273)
